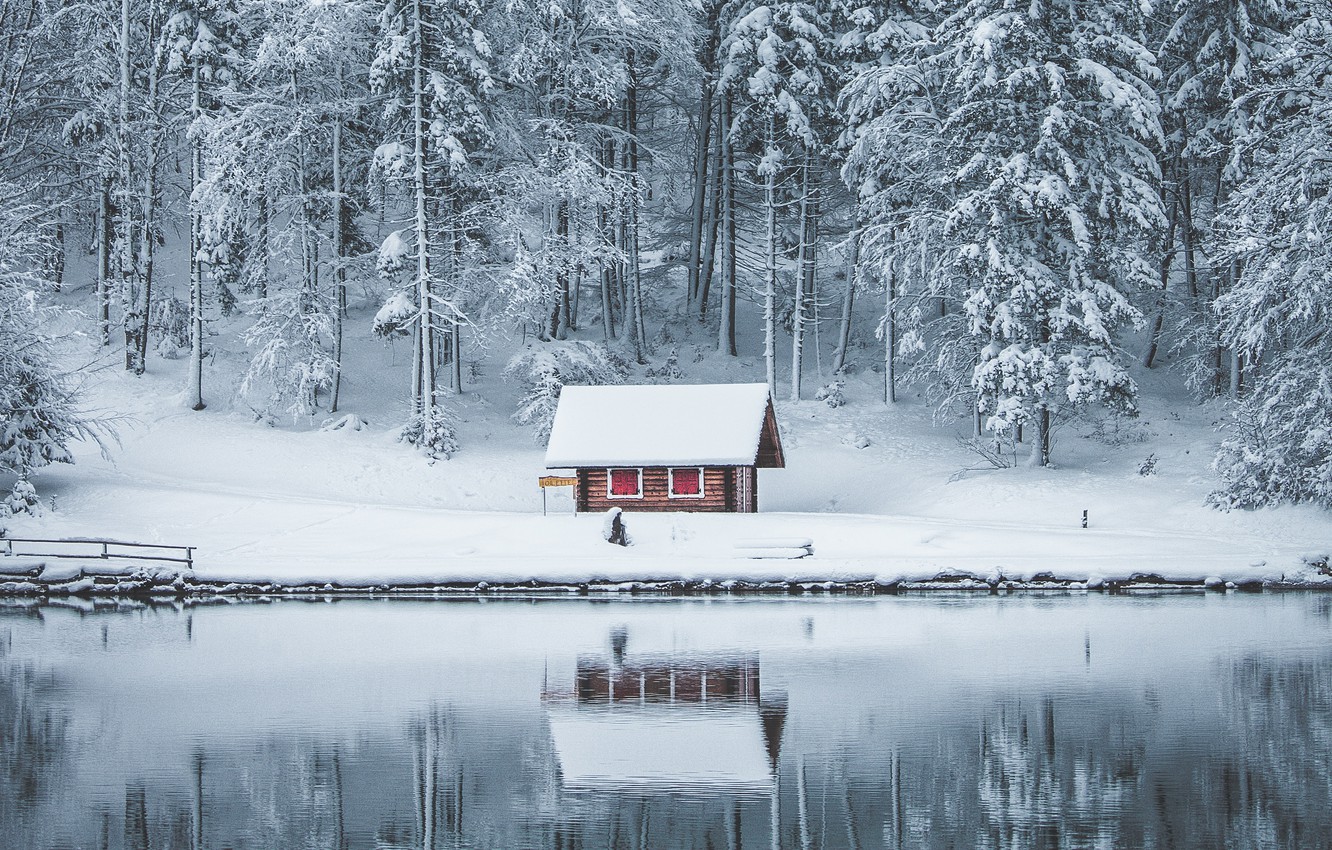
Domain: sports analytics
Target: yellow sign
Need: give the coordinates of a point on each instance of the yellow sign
(556, 481)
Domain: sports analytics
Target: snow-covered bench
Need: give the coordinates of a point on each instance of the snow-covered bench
(774, 547)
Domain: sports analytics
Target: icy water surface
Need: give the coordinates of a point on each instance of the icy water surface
(926, 722)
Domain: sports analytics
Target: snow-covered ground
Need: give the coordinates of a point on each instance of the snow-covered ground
(290, 503)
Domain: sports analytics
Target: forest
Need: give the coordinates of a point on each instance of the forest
(1015, 200)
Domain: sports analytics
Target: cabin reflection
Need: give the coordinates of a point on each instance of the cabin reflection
(663, 722)
(669, 680)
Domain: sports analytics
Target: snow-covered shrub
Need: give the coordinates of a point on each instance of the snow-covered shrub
(394, 253)
(831, 394)
(22, 499)
(433, 435)
(170, 323)
(613, 529)
(1280, 447)
(1119, 429)
(670, 370)
(997, 451)
(395, 317)
(292, 363)
(344, 424)
(37, 415)
(544, 368)
(1148, 466)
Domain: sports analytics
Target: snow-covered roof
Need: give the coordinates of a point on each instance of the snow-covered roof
(658, 425)
(660, 746)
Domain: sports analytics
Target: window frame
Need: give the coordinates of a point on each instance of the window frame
(670, 483)
(610, 494)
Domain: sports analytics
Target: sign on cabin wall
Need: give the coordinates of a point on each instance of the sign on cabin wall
(556, 481)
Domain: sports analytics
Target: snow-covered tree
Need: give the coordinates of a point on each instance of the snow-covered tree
(543, 369)
(433, 68)
(1275, 227)
(276, 160)
(777, 66)
(198, 45)
(39, 415)
(1048, 141)
(1209, 53)
(585, 72)
(892, 166)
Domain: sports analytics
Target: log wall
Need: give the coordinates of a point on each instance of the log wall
(718, 492)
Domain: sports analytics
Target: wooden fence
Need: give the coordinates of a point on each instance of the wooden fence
(97, 549)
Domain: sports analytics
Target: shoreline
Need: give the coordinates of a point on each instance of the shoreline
(37, 580)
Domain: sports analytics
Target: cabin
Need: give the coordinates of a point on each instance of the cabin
(679, 447)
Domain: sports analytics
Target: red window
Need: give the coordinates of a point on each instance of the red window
(626, 482)
(687, 482)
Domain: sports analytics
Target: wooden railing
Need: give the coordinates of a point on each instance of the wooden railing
(93, 548)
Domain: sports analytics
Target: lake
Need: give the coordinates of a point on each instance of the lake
(930, 721)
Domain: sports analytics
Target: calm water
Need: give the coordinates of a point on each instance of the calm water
(1024, 722)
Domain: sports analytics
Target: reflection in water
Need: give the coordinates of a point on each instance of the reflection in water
(885, 724)
(32, 742)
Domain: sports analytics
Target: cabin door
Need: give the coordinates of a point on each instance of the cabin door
(743, 499)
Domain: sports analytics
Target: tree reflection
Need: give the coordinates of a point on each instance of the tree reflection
(34, 745)
(1275, 790)
(1038, 789)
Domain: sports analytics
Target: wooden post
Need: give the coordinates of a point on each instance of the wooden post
(1084, 518)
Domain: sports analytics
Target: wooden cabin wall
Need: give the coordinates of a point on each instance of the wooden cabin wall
(718, 492)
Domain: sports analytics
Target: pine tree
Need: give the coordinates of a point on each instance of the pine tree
(278, 138)
(433, 68)
(1277, 314)
(1209, 52)
(777, 59)
(198, 44)
(39, 415)
(1049, 134)
(891, 165)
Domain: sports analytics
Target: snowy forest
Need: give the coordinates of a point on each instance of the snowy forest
(1010, 205)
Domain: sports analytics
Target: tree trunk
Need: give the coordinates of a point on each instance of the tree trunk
(770, 259)
(128, 286)
(339, 254)
(575, 273)
(148, 232)
(848, 294)
(708, 261)
(1167, 259)
(606, 280)
(890, 325)
(1218, 345)
(726, 174)
(455, 275)
(801, 281)
(1040, 445)
(265, 225)
(57, 258)
(105, 236)
(698, 205)
(563, 307)
(426, 403)
(196, 271)
(637, 332)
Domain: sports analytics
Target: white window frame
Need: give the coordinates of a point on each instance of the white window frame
(611, 495)
(670, 483)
